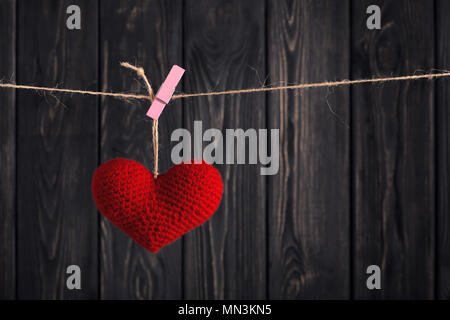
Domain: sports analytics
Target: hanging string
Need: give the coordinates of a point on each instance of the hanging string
(229, 92)
(151, 97)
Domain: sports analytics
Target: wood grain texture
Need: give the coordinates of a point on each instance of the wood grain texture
(57, 151)
(146, 33)
(443, 151)
(393, 158)
(7, 152)
(309, 199)
(364, 172)
(224, 49)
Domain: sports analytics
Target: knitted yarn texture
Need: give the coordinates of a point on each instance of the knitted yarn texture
(156, 212)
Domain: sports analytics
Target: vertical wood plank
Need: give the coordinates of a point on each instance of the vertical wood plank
(443, 150)
(393, 143)
(309, 199)
(147, 33)
(7, 151)
(57, 151)
(224, 49)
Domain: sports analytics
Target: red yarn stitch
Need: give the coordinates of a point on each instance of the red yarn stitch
(155, 212)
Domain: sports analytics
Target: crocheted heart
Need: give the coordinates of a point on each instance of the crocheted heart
(155, 212)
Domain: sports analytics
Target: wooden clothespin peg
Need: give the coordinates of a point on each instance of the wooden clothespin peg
(165, 92)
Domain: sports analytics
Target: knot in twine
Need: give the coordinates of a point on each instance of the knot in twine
(151, 95)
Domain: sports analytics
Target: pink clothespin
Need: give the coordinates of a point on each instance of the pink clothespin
(165, 92)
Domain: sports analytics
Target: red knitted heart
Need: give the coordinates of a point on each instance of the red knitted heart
(155, 212)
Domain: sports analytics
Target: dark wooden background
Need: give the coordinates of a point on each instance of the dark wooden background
(364, 171)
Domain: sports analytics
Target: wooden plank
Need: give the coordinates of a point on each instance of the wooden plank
(224, 49)
(57, 151)
(7, 151)
(147, 33)
(443, 150)
(393, 151)
(309, 200)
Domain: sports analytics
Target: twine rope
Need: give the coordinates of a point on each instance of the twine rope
(151, 97)
(229, 92)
